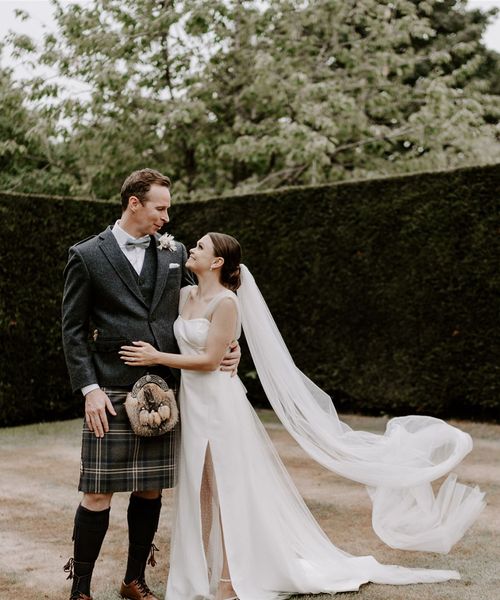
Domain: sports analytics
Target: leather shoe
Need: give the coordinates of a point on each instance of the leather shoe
(136, 590)
(79, 596)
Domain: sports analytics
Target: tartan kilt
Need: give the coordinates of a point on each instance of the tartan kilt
(124, 462)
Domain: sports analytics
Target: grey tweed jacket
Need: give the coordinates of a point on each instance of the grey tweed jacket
(103, 308)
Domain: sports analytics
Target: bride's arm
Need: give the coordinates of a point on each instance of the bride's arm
(220, 335)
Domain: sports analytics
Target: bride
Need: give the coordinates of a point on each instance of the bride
(241, 528)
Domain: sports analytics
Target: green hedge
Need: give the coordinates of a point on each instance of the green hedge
(386, 291)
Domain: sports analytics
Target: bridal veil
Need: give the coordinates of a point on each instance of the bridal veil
(397, 467)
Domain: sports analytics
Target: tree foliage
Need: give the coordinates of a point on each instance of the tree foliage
(29, 160)
(246, 95)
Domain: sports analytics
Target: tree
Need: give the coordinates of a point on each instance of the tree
(456, 26)
(29, 160)
(332, 90)
(241, 94)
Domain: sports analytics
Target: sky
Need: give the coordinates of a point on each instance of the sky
(41, 21)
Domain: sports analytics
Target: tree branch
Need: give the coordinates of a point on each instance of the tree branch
(372, 139)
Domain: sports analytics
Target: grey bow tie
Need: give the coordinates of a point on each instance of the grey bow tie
(142, 242)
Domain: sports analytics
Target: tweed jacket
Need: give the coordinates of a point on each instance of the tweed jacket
(103, 308)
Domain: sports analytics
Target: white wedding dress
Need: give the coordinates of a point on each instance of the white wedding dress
(230, 473)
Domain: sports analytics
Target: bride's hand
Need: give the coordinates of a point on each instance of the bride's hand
(139, 355)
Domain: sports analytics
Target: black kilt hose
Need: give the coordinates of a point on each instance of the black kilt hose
(124, 462)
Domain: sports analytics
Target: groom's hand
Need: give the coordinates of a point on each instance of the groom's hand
(232, 358)
(96, 403)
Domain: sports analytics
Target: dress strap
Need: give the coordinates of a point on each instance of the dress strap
(184, 296)
(212, 305)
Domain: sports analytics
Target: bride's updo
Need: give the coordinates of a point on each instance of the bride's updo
(228, 248)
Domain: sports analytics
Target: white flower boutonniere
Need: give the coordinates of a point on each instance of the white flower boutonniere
(166, 242)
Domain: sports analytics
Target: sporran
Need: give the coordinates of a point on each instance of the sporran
(151, 407)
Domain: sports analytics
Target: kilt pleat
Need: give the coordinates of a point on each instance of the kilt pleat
(124, 462)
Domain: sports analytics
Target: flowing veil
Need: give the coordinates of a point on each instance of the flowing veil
(397, 467)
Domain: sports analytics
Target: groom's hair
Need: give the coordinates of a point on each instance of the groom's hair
(139, 183)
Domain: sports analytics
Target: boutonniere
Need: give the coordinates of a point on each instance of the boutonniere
(166, 242)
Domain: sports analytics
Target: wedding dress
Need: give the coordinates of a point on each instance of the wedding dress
(234, 492)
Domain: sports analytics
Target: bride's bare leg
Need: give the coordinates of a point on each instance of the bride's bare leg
(208, 495)
(206, 499)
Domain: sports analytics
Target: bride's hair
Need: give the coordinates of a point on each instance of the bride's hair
(228, 248)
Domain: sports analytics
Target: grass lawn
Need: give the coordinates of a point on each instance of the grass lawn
(39, 467)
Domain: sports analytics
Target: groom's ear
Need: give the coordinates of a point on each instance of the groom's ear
(134, 203)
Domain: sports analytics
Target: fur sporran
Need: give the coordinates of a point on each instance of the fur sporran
(151, 407)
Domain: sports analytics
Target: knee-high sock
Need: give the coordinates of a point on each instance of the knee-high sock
(142, 516)
(88, 535)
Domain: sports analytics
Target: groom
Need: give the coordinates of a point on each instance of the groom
(122, 286)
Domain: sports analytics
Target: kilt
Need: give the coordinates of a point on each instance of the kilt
(124, 462)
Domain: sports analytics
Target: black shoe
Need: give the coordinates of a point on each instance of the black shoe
(79, 596)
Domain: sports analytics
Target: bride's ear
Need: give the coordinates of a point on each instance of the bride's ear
(217, 263)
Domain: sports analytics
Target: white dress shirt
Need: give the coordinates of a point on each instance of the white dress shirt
(136, 258)
(134, 255)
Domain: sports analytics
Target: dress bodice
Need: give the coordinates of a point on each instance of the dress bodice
(191, 334)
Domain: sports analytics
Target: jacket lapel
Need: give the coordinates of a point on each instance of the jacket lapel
(111, 249)
(162, 269)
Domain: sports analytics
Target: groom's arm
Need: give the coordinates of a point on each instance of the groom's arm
(75, 322)
(75, 330)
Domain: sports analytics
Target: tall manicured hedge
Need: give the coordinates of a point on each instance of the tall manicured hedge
(35, 234)
(386, 291)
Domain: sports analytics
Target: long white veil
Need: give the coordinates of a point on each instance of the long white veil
(398, 466)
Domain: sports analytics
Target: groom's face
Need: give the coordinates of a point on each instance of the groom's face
(152, 214)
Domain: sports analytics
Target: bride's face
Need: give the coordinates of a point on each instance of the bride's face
(201, 257)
